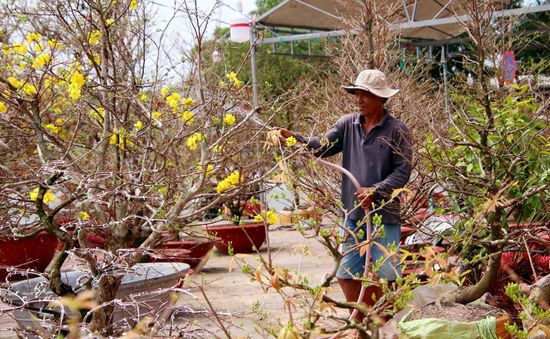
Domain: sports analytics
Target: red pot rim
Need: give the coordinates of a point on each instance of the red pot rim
(231, 226)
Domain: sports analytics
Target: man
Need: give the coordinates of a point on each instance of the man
(376, 150)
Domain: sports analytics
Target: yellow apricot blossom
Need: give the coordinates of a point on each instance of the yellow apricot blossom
(156, 115)
(229, 119)
(77, 78)
(14, 82)
(49, 81)
(33, 36)
(54, 44)
(187, 117)
(95, 59)
(94, 38)
(233, 78)
(3, 107)
(209, 168)
(143, 97)
(109, 22)
(223, 186)
(188, 102)
(164, 91)
(194, 139)
(74, 91)
(48, 196)
(20, 48)
(291, 141)
(173, 100)
(76, 82)
(98, 114)
(41, 60)
(29, 89)
(120, 138)
(270, 217)
(233, 179)
(133, 4)
(138, 125)
(52, 128)
(113, 139)
(82, 215)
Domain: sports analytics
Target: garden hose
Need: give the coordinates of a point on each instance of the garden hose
(369, 232)
(275, 139)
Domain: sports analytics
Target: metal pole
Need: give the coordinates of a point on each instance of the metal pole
(253, 64)
(444, 63)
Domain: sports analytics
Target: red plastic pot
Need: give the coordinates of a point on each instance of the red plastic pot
(27, 253)
(192, 252)
(243, 238)
(95, 240)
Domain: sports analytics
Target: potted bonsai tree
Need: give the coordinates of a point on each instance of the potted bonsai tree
(247, 229)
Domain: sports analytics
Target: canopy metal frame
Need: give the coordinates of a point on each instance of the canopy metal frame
(411, 23)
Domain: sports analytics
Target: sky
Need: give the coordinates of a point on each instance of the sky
(222, 16)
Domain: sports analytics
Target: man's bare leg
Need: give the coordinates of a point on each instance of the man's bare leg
(352, 288)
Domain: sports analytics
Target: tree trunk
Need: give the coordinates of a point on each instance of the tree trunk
(56, 285)
(472, 293)
(106, 291)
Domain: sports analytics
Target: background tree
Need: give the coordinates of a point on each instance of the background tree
(91, 121)
(491, 157)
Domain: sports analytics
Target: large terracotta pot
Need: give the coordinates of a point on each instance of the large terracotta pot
(27, 253)
(243, 238)
(195, 253)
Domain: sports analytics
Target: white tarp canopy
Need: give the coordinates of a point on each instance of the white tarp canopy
(418, 19)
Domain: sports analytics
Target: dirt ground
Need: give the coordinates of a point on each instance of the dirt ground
(242, 306)
(234, 295)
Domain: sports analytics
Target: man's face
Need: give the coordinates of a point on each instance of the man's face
(366, 101)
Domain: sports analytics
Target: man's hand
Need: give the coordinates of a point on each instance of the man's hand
(364, 196)
(285, 133)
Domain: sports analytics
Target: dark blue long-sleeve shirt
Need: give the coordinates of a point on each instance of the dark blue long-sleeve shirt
(381, 159)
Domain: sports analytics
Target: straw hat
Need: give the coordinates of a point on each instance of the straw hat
(374, 81)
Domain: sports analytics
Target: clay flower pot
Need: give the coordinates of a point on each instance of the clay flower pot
(195, 252)
(243, 238)
(291, 217)
(27, 253)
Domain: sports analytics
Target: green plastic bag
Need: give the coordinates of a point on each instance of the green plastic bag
(432, 328)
